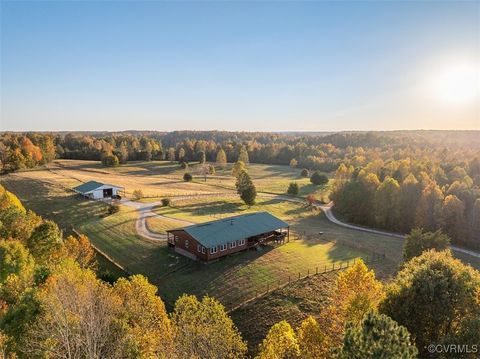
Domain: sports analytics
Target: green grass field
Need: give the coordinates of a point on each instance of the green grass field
(231, 279)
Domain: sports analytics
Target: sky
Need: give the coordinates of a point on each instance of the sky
(247, 66)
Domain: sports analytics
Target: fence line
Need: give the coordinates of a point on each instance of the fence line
(110, 259)
(293, 279)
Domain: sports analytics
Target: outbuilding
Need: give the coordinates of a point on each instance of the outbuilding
(215, 239)
(98, 190)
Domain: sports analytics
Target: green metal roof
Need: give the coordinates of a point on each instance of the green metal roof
(88, 186)
(222, 231)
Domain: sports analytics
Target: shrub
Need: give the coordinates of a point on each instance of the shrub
(187, 177)
(293, 189)
(304, 173)
(293, 163)
(318, 179)
(137, 194)
(165, 202)
(114, 208)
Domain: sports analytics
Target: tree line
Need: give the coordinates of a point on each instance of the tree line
(400, 195)
(313, 151)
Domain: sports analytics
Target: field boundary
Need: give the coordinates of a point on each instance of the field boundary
(326, 269)
(105, 255)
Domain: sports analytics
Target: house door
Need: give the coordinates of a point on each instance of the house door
(107, 192)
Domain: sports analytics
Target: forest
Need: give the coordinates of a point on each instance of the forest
(396, 180)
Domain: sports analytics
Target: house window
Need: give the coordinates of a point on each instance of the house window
(186, 243)
(176, 238)
(233, 244)
(223, 247)
(199, 248)
(203, 250)
(213, 250)
(242, 242)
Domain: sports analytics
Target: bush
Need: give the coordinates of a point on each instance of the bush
(165, 202)
(187, 177)
(114, 208)
(318, 179)
(293, 189)
(183, 165)
(304, 173)
(137, 194)
(293, 163)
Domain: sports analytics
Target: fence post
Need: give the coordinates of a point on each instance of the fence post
(316, 270)
(288, 279)
(333, 265)
(308, 272)
(298, 275)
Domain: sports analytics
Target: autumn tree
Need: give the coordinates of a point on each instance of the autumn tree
(202, 157)
(149, 331)
(16, 271)
(293, 163)
(419, 241)
(237, 168)
(452, 218)
(310, 339)
(243, 155)
(221, 160)
(78, 317)
(171, 154)
(377, 337)
(431, 296)
(181, 154)
(203, 329)
(81, 251)
(245, 188)
(386, 203)
(356, 293)
(429, 207)
(410, 190)
(280, 343)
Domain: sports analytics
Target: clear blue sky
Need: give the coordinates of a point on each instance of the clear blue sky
(236, 65)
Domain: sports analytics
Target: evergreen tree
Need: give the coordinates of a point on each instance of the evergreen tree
(293, 188)
(318, 179)
(419, 241)
(245, 188)
(45, 242)
(377, 337)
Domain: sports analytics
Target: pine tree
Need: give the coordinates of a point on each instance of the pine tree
(377, 337)
(245, 188)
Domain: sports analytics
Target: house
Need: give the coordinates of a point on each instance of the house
(97, 190)
(215, 239)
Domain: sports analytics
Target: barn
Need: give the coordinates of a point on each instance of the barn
(97, 190)
(215, 239)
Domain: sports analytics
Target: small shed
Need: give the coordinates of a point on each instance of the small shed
(98, 190)
(215, 239)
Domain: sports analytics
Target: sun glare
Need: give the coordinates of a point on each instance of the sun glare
(458, 84)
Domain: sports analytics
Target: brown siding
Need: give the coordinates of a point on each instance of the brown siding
(181, 240)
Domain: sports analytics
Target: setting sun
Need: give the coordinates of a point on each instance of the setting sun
(458, 84)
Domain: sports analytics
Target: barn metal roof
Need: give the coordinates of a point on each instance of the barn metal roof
(88, 186)
(222, 231)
